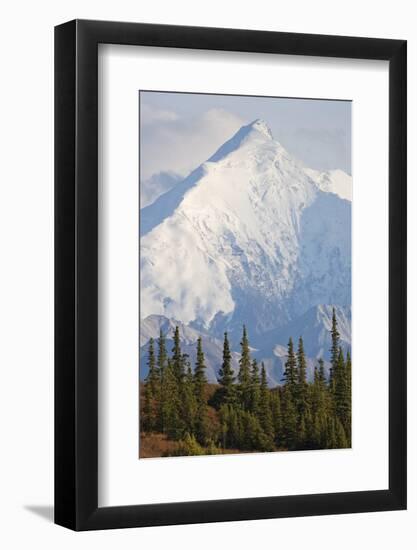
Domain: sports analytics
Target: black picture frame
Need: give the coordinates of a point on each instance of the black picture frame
(76, 272)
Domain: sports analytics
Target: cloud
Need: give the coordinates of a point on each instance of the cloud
(321, 148)
(151, 115)
(179, 144)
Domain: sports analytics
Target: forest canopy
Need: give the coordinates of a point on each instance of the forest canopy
(181, 414)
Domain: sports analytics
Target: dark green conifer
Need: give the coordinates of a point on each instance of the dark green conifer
(253, 435)
(301, 433)
(349, 397)
(340, 435)
(244, 372)
(162, 354)
(161, 363)
(171, 420)
(200, 382)
(317, 432)
(147, 411)
(255, 387)
(319, 397)
(275, 399)
(330, 437)
(301, 387)
(232, 429)
(290, 372)
(226, 376)
(321, 373)
(151, 393)
(188, 402)
(177, 358)
(153, 375)
(349, 374)
(289, 419)
(265, 413)
(340, 392)
(200, 373)
(289, 405)
(334, 350)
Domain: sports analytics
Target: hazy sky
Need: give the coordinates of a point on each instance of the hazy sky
(180, 131)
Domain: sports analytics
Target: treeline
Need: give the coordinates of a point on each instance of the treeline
(243, 413)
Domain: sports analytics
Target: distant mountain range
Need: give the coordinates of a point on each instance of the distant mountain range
(250, 237)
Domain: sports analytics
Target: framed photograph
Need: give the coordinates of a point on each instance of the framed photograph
(230, 254)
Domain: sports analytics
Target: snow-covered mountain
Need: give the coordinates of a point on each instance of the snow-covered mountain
(333, 181)
(157, 185)
(250, 236)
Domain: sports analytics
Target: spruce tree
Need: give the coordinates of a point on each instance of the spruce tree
(188, 402)
(315, 433)
(318, 393)
(330, 431)
(265, 414)
(151, 392)
(275, 399)
(231, 426)
(147, 422)
(321, 373)
(341, 441)
(253, 436)
(334, 350)
(301, 387)
(162, 354)
(315, 387)
(289, 405)
(326, 391)
(315, 392)
(349, 372)
(244, 371)
(152, 378)
(289, 419)
(301, 433)
(341, 393)
(255, 387)
(177, 357)
(171, 420)
(349, 396)
(161, 366)
(290, 372)
(200, 382)
(226, 377)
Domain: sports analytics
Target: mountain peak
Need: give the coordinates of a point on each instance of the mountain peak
(257, 128)
(262, 127)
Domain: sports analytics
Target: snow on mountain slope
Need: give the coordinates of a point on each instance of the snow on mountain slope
(333, 181)
(248, 237)
(157, 185)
